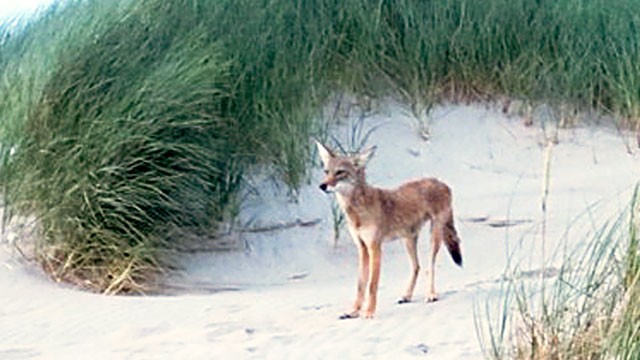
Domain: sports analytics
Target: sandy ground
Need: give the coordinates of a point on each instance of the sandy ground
(280, 297)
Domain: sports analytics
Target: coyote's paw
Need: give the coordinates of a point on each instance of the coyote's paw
(368, 314)
(351, 315)
(433, 297)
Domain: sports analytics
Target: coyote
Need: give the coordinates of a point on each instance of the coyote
(375, 215)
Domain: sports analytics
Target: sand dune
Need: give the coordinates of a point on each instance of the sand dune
(279, 297)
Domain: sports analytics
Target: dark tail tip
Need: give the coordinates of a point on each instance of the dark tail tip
(457, 257)
(453, 242)
(454, 249)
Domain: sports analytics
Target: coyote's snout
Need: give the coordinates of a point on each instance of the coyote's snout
(375, 215)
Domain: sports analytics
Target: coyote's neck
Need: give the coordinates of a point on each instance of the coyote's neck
(352, 199)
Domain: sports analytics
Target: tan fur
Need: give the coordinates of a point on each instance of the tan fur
(376, 215)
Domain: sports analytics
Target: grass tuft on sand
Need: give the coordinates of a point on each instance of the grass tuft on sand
(590, 310)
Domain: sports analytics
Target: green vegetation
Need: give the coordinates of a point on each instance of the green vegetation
(591, 310)
(124, 122)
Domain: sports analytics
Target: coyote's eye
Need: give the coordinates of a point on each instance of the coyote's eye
(326, 171)
(341, 173)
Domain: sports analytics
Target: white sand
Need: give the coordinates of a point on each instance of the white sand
(287, 289)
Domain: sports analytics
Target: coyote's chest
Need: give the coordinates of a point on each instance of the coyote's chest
(370, 213)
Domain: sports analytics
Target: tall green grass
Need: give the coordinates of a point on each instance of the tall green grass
(146, 131)
(126, 121)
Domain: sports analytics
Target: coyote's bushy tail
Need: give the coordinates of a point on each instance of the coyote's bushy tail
(452, 241)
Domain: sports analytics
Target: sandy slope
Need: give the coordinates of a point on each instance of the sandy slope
(285, 291)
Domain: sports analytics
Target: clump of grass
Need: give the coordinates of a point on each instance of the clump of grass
(145, 129)
(124, 144)
(590, 311)
(625, 339)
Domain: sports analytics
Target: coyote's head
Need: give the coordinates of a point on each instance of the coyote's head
(343, 172)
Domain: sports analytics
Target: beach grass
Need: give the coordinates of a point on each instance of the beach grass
(588, 310)
(124, 122)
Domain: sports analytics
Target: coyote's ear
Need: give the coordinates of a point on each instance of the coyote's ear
(324, 152)
(361, 159)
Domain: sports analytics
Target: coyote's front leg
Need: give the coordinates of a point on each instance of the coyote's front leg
(375, 254)
(363, 278)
